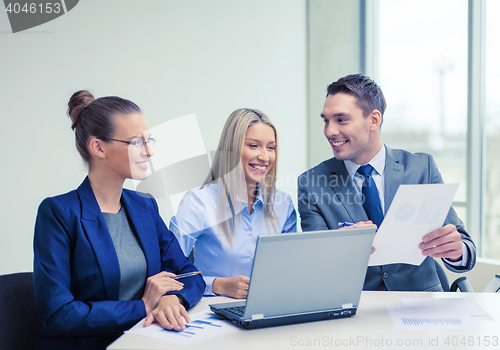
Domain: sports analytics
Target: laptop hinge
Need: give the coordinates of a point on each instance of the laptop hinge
(347, 306)
(257, 316)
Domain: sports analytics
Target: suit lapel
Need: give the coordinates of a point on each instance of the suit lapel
(140, 219)
(98, 235)
(341, 183)
(394, 176)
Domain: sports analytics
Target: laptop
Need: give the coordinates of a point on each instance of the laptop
(303, 277)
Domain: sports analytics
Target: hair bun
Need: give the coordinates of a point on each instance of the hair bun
(77, 103)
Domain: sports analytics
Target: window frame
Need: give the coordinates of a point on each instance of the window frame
(476, 140)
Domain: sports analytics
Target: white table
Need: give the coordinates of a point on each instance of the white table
(371, 328)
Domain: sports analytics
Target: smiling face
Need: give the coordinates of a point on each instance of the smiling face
(352, 135)
(129, 161)
(258, 152)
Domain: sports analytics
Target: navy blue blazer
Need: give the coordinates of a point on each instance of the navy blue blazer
(76, 269)
(326, 196)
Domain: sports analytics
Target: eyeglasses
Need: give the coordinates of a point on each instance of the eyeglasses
(138, 143)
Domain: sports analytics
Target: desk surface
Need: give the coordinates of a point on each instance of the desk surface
(371, 328)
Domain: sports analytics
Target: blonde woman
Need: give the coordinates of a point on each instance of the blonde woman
(237, 202)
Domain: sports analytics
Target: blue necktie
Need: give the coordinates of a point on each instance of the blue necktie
(371, 200)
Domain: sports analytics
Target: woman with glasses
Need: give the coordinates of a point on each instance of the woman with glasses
(103, 257)
(237, 202)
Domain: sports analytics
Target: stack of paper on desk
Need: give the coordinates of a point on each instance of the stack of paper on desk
(437, 313)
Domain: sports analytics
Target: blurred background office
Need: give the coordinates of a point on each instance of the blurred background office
(434, 59)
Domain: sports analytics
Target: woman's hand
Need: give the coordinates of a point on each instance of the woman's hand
(235, 287)
(168, 313)
(157, 286)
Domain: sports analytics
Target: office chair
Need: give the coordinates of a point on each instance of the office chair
(460, 283)
(493, 286)
(19, 326)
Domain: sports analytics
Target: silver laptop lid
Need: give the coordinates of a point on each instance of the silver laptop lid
(306, 272)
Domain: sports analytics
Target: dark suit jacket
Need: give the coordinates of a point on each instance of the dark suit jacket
(77, 274)
(327, 196)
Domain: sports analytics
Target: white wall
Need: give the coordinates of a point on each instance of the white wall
(170, 57)
(334, 52)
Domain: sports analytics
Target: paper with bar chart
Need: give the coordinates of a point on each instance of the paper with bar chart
(203, 325)
(449, 313)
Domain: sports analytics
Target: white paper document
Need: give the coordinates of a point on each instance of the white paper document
(427, 313)
(203, 325)
(415, 211)
(472, 308)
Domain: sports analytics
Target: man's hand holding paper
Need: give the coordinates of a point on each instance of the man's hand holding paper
(412, 227)
(445, 242)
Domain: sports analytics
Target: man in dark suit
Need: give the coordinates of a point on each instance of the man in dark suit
(334, 191)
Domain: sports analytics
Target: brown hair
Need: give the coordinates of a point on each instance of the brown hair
(91, 117)
(368, 94)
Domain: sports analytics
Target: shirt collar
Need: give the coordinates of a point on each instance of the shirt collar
(377, 162)
(258, 198)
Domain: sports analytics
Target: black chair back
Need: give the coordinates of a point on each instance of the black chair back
(19, 326)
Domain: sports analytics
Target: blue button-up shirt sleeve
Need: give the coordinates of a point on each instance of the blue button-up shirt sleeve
(291, 215)
(186, 225)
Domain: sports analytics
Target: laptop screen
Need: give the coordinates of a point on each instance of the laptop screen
(305, 272)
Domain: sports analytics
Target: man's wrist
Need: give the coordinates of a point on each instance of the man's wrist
(464, 259)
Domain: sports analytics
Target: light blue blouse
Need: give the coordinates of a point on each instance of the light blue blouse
(196, 225)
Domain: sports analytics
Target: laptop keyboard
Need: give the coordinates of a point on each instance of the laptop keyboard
(236, 310)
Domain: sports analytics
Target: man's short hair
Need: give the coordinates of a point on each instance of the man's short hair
(368, 94)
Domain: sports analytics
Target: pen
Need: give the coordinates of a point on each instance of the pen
(346, 223)
(182, 275)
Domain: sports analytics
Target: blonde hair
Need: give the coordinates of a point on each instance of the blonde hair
(228, 173)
